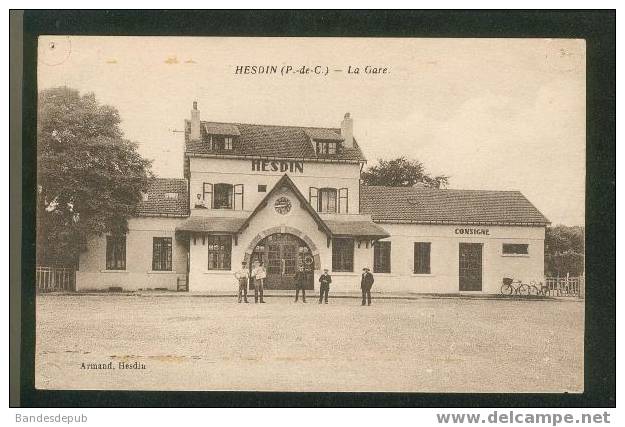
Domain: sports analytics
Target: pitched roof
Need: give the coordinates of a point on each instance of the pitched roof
(432, 206)
(356, 228)
(273, 141)
(221, 129)
(323, 134)
(206, 224)
(160, 198)
(285, 181)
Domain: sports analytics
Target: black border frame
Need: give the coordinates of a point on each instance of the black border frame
(598, 28)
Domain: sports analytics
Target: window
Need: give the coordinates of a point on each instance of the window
(342, 255)
(325, 148)
(218, 142)
(422, 257)
(171, 196)
(382, 257)
(222, 196)
(219, 250)
(115, 252)
(515, 249)
(343, 200)
(161, 254)
(327, 200)
(262, 188)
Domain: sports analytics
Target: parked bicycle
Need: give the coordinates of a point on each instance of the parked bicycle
(517, 287)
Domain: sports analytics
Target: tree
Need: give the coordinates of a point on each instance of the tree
(401, 172)
(564, 250)
(89, 177)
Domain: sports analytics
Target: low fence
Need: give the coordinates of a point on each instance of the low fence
(565, 286)
(55, 279)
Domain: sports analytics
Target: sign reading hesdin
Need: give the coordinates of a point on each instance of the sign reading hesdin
(277, 166)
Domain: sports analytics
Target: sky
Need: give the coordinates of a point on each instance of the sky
(494, 114)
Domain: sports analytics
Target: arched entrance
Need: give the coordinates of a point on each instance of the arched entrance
(283, 254)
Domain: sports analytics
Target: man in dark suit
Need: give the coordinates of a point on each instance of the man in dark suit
(325, 279)
(301, 279)
(366, 282)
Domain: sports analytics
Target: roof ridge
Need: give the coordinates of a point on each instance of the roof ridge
(273, 126)
(441, 189)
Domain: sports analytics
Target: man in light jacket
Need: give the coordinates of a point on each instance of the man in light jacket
(242, 277)
(259, 273)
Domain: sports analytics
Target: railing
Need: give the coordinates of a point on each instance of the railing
(566, 286)
(50, 279)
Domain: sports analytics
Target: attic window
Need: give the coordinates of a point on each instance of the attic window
(144, 197)
(220, 142)
(171, 196)
(326, 148)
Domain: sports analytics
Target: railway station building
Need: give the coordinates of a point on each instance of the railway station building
(292, 196)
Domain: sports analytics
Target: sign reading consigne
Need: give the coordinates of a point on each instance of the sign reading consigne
(481, 231)
(277, 166)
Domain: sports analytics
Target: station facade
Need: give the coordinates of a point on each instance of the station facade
(292, 197)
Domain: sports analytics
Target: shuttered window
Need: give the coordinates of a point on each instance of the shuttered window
(422, 257)
(222, 196)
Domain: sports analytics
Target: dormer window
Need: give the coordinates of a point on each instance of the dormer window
(220, 142)
(326, 148)
(171, 196)
(220, 136)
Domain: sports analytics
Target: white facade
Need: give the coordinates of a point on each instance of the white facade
(237, 171)
(444, 276)
(260, 188)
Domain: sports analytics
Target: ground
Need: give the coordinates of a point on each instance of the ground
(409, 345)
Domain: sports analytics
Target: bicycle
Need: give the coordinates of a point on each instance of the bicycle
(509, 288)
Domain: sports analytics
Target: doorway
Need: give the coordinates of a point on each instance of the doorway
(283, 254)
(470, 266)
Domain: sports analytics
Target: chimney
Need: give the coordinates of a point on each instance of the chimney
(196, 135)
(347, 131)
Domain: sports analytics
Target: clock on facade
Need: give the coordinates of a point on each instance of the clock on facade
(283, 205)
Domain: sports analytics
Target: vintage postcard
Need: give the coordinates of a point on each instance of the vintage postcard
(310, 214)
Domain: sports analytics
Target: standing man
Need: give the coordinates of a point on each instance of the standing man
(325, 279)
(242, 277)
(366, 282)
(259, 274)
(300, 283)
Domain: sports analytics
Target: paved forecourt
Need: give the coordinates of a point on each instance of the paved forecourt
(411, 345)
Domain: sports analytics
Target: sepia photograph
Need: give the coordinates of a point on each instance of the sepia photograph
(320, 214)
